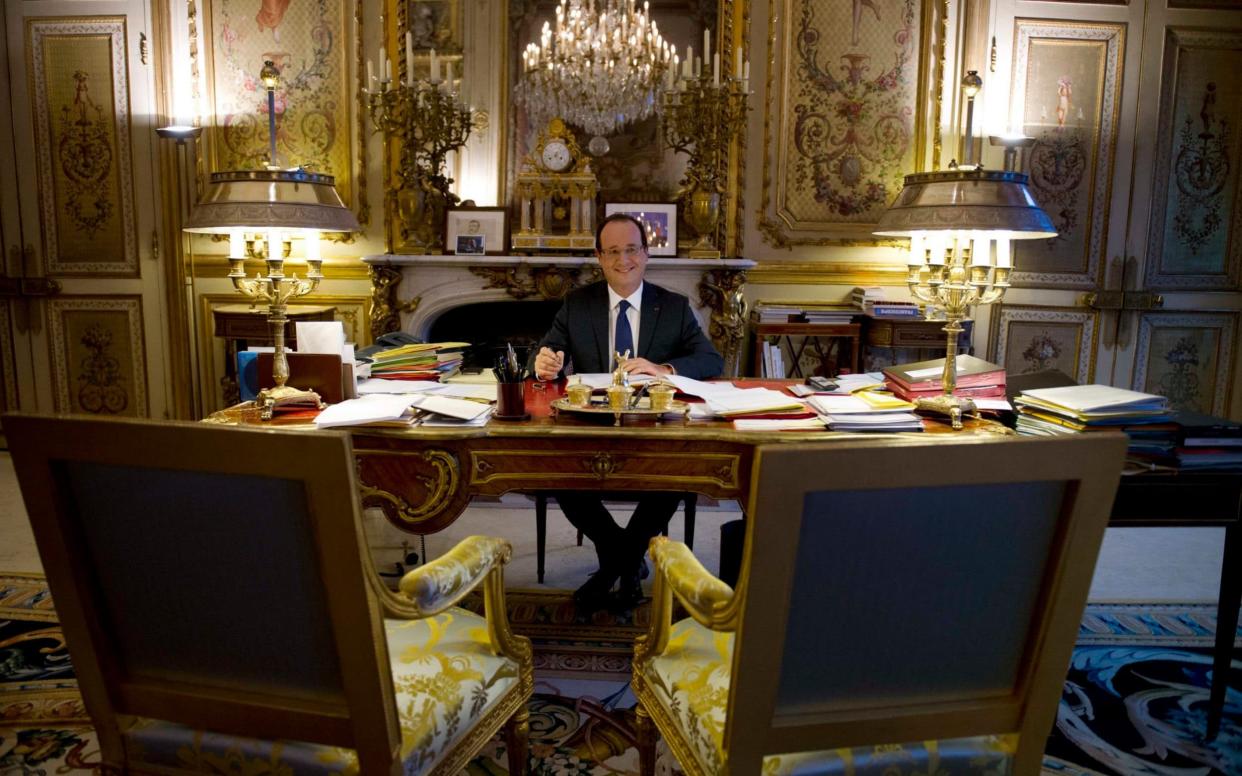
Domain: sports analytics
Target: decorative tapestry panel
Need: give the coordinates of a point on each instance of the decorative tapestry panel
(1029, 339)
(80, 95)
(307, 42)
(845, 115)
(1066, 94)
(1194, 242)
(98, 357)
(1187, 357)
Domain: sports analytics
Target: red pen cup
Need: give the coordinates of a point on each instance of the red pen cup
(511, 400)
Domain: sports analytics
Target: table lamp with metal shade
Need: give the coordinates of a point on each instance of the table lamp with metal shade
(960, 223)
(272, 208)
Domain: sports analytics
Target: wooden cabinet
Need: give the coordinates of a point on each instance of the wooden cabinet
(889, 341)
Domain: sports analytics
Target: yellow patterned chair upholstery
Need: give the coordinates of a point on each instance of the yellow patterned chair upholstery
(905, 607)
(223, 615)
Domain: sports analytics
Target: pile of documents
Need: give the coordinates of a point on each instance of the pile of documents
(865, 411)
(403, 410)
(976, 378)
(420, 361)
(876, 302)
(1080, 409)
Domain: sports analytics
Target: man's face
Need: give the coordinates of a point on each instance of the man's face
(622, 256)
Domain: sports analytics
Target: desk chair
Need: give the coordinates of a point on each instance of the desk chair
(220, 606)
(911, 604)
(691, 500)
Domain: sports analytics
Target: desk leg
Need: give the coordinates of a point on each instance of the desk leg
(1226, 625)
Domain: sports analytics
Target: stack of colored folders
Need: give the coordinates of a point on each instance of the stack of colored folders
(976, 378)
(1077, 409)
(420, 361)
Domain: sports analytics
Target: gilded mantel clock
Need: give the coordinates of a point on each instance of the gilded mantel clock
(556, 194)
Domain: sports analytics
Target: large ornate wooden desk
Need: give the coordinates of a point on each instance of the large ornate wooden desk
(423, 479)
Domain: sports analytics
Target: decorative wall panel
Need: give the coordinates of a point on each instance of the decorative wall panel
(79, 82)
(846, 114)
(1066, 93)
(1195, 198)
(307, 41)
(98, 357)
(1187, 357)
(1028, 339)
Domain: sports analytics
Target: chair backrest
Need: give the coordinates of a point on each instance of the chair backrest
(902, 593)
(211, 577)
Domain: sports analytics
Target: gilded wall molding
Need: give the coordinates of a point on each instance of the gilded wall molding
(218, 267)
(814, 273)
(362, 205)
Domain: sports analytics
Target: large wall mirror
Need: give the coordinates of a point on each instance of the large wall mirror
(483, 41)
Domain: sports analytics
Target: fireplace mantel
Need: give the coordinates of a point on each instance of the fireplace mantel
(409, 292)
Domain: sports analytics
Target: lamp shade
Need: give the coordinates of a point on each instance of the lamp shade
(966, 200)
(261, 200)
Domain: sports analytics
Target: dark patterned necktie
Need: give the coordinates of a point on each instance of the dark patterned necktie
(624, 337)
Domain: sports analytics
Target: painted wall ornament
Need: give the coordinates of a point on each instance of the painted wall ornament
(86, 157)
(853, 130)
(1201, 171)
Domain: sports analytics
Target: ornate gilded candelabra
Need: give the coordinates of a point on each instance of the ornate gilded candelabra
(275, 290)
(428, 120)
(954, 272)
(702, 115)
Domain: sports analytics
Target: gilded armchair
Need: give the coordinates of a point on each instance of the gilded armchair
(903, 608)
(222, 614)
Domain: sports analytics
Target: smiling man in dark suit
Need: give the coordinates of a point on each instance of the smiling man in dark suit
(595, 322)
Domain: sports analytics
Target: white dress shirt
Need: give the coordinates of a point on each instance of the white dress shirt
(636, 304)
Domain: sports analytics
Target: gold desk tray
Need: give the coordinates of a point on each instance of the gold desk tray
(601, 409)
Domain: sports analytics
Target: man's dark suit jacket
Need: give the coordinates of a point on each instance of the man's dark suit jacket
(668, 333)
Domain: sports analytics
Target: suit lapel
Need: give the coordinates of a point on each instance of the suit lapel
(599, 325)
(649, 318)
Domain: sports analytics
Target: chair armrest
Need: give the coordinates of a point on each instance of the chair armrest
(435, 586)
(704, 596)
(678, 573)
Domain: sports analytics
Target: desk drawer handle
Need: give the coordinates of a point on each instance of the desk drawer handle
(602, 465)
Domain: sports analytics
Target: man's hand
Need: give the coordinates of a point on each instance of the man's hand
(548, 364)
(641, 366)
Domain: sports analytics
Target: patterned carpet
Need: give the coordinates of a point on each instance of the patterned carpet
(1134, 700)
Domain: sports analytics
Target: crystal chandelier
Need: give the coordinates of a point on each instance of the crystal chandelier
(597, 69)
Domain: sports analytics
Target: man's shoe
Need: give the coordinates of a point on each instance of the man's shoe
(593, 594)
(629, 593)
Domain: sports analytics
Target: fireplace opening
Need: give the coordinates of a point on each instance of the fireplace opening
(490, 326)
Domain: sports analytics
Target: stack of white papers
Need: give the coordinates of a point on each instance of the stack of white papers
(461, 409)
(775, 424)
(888, 421)
(849, 405)
(376, 408)
(727, 399)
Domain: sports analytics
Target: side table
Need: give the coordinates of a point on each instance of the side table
(827, 343)
(242, 326)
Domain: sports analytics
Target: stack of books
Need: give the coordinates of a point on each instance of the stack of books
(1080, 409)
(420, 361)
(875, 302)
(976, 378)
(829, 313)
(776, 313)
(1207, 443)
(773, 366)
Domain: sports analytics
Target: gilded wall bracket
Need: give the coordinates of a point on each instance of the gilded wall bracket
(721, 291)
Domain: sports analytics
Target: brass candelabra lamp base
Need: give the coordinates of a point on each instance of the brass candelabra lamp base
(947, 404)
(284, 395)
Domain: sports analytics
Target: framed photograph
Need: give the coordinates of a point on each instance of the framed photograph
(660, 219)
(470, 244)
(485, 230)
